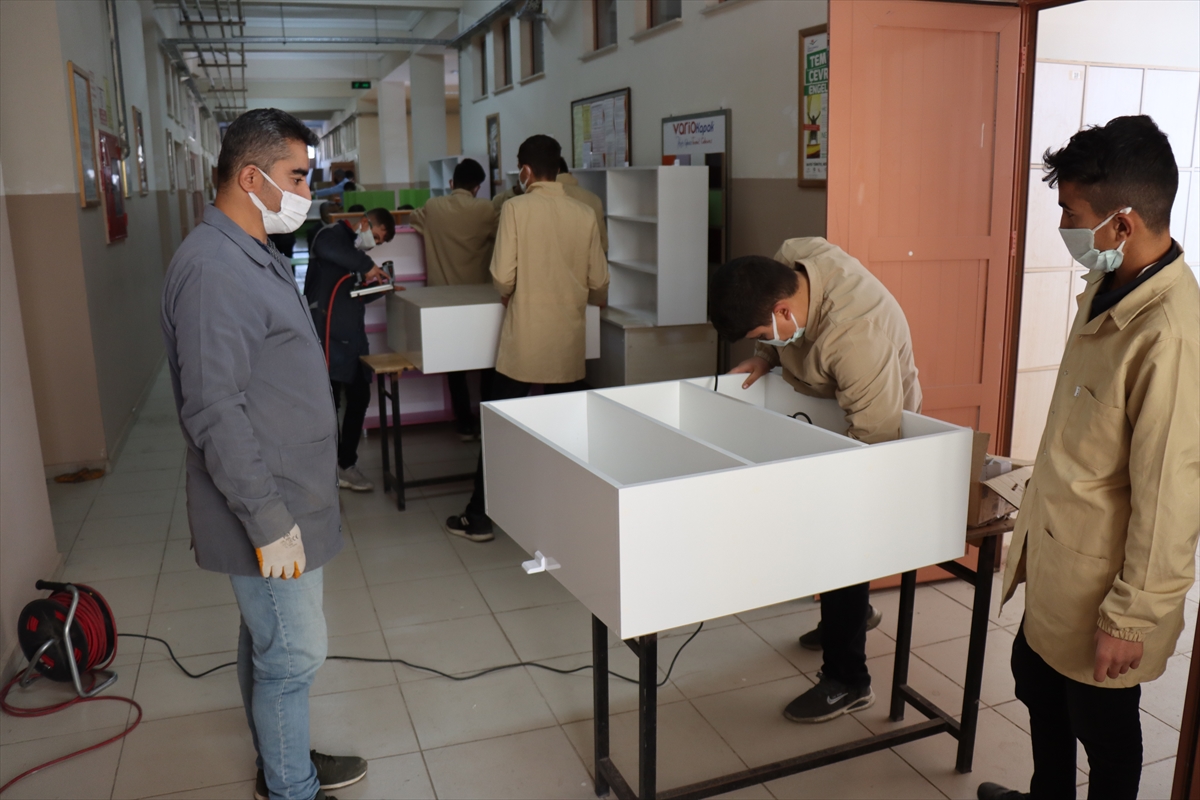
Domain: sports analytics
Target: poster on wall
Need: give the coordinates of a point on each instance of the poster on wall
(116, 221)
(171, 161)
(85, 149)
(704, 140)
(813, 152)
(495, 178)
(139, 152)
(600, 131)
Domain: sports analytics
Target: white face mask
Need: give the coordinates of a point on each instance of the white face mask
(293, 209)
(365, 240)
(522, 182)
(777, 342)
(1081, 242)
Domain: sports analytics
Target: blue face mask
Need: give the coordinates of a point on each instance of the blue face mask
(777, 342)
(1081, 242)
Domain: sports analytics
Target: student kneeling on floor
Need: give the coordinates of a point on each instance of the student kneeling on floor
(837, 332)
(1106, 536)
(547, 264)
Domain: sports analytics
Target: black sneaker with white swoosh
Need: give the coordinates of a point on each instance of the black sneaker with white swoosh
(827, 700)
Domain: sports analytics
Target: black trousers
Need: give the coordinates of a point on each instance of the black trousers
(358, 397)
(1062, 711)
(506, 388)
(844, 635)
(460, 397)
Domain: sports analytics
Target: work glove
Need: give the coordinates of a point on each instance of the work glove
(284, 557)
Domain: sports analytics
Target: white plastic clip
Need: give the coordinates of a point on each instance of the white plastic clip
(540, 563)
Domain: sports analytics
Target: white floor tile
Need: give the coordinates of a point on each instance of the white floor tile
(512, 589)
(548, 631)
(398, 605)
(337, 675)
(164, 691)
(182, 753)
(882, 775)
(454, 646)
(198, 631)
(537, 764)
(108, 563)
(370, 723)
(392, 778)
(430, 559)
(197, 588)
(150, 528)
(724, 659)
(82, 778)
(446, 712)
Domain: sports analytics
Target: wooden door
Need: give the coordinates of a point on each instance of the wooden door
(923, 105)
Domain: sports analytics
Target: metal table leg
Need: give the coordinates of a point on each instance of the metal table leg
(908, 597)
(381, 396)
(396, 435)
(976, 651)
(600, 701)
(648, 717)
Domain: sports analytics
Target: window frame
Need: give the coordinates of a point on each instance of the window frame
(596, 27)
(652, 22)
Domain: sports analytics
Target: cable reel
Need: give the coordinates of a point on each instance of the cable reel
(66, 634)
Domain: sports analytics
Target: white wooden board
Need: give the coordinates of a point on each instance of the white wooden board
(667, 504)
(457, 328)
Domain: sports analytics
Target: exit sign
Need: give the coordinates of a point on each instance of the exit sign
(360, 84)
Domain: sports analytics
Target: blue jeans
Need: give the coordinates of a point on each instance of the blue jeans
(281, 646)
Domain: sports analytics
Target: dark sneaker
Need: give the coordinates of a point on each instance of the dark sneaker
(812, 639)
(470, 433)
(333, 772)
(477, 530)
(994, 791)
(827, 700)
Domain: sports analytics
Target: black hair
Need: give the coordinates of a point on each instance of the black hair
(339, 175)
(384, 218)
(742, 293)
(356, 208)
(541, 154)
(468, 174)
(260, 137)
(349, 174)
(1126, 162)
(563, 169)
(406, 207)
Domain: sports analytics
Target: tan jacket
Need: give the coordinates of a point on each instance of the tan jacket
(856, 345)
(547, 260)
(574, 190)
(459, 231)
(1106, 535)
(502, 198)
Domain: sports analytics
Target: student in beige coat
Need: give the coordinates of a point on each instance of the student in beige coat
(572, 188)
(838, 333)
(1106, 537)
(546, 265)
(459, 231)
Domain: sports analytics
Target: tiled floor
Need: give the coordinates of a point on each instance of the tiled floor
(404, 589)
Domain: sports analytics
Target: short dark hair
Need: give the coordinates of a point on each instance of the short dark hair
(541, 154)
(1126, 162)
(384, 218)
(349, 174)
(563, 169)
(260, 137)
(354, 209)
(406, 207)
(742, 293)
(339, 175)
(468, 174)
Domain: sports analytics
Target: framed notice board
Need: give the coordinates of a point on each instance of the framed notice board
(600, 131)
(812, 163)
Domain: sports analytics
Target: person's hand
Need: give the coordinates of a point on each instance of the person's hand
(756, 366)
(375, 275)
(1114, 657)
(284, 557)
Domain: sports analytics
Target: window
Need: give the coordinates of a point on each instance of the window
(604, 23)
(481, 71)
(533, 58)
(664, 11)
(504, 51)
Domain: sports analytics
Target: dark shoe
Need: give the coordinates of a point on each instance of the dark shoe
(352, 478)
(812, 639)
(333, 772)
(994, 791)
(827, 700)
(470, 433)
(475, 529)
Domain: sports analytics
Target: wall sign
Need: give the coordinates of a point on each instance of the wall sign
(600, 131)
(812, 167)
(695, 139)
(84, 131)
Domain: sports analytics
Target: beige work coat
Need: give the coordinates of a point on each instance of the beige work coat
(1106, 535)
(547, 260)
(459, 231)
(856, 345)
(502, 198)
(573, 190)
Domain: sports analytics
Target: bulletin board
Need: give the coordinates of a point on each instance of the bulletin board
(112, 188)
(600, 131)
(812, 166)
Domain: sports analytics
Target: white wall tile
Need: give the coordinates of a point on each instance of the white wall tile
(1169, 96)
(1057, 106)
(1111, 92)
(1191, 234)
(1044, 307)
(1043, 246)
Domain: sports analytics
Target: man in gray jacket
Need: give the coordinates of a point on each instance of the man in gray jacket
(254, 404)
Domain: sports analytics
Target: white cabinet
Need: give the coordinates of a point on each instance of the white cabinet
(666, 504)
(457, 328)
(657, 240)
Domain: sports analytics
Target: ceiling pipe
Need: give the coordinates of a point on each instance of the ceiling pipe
(411, 41)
